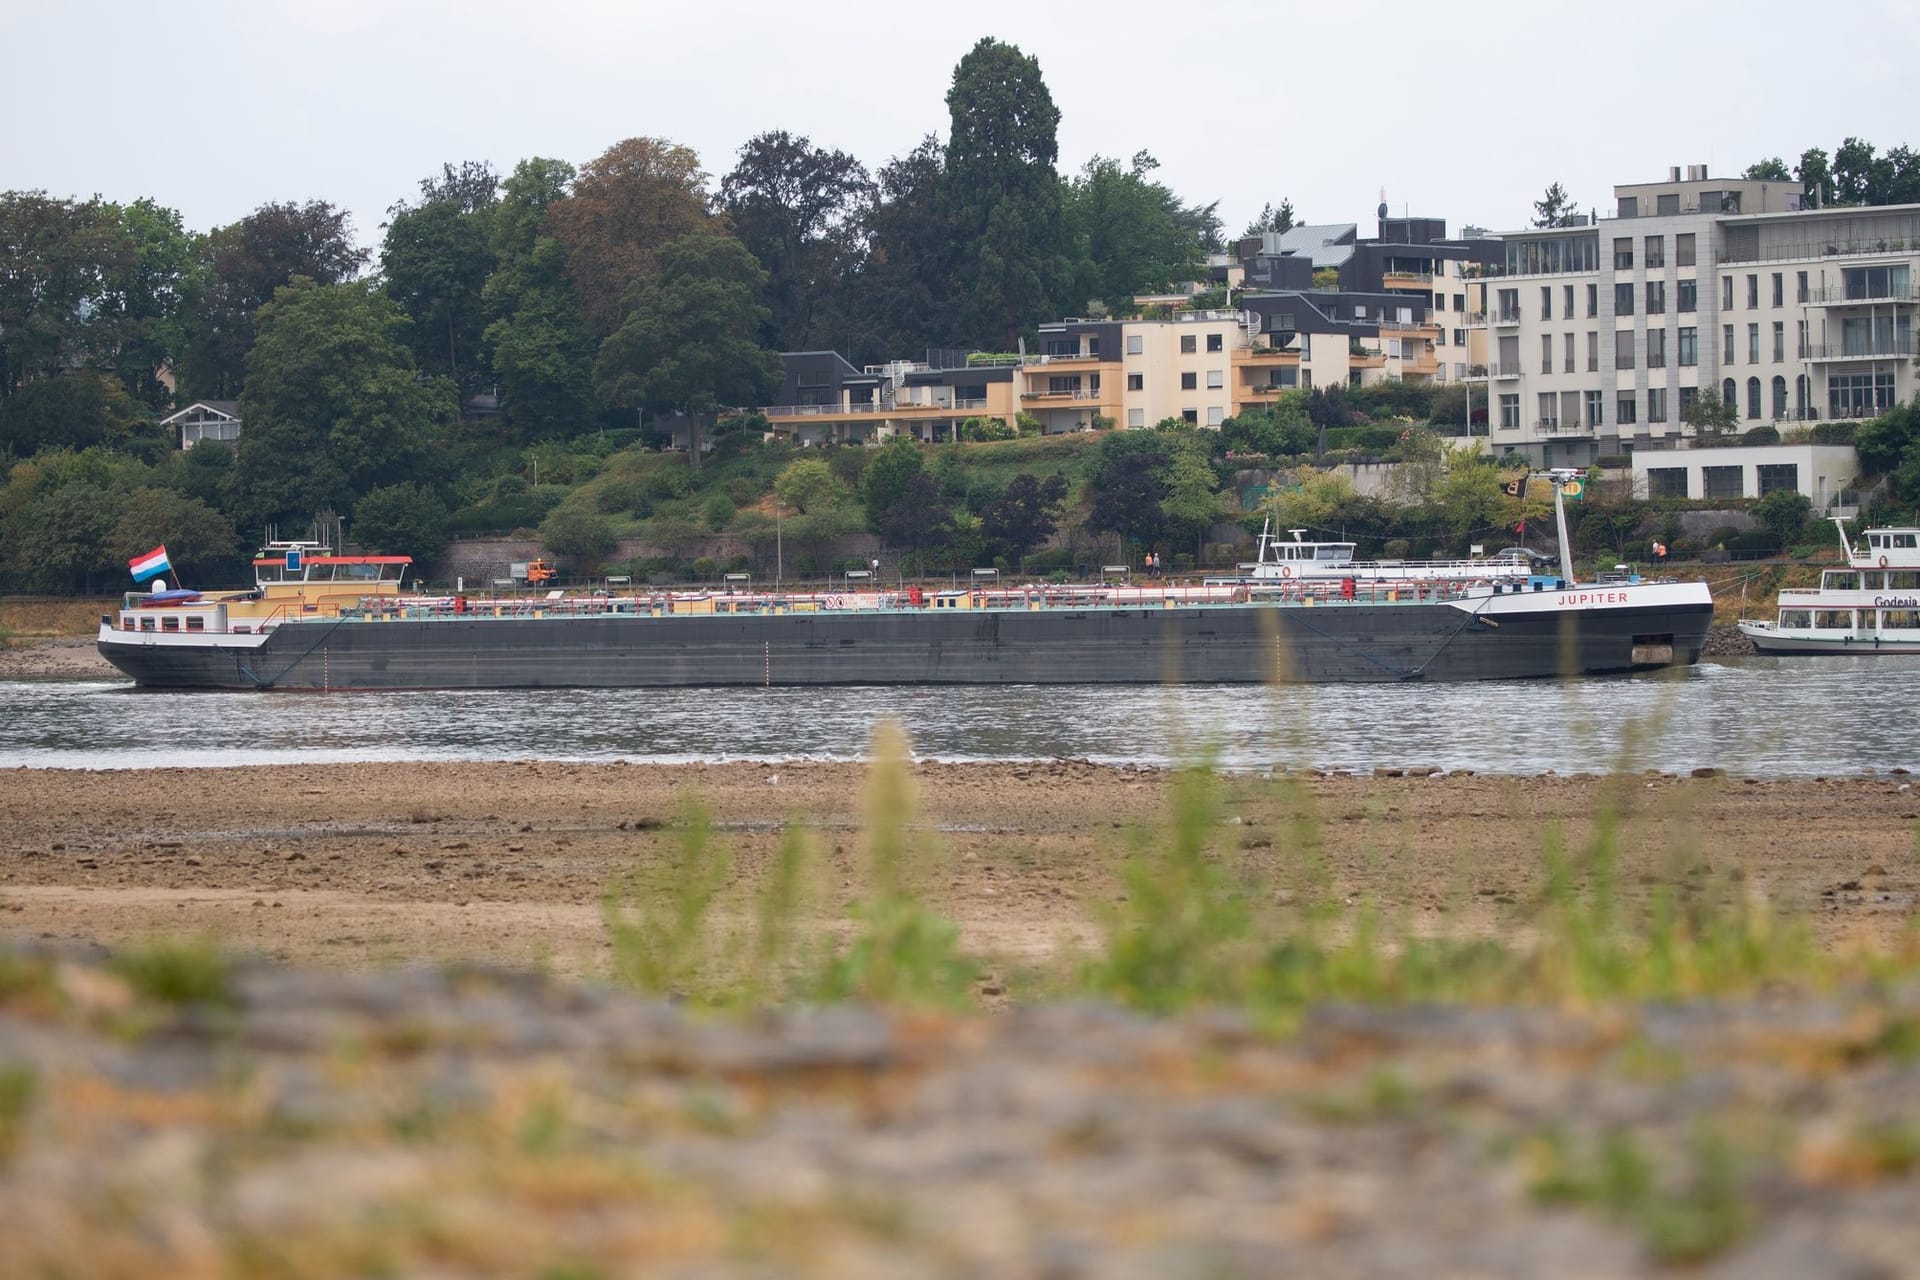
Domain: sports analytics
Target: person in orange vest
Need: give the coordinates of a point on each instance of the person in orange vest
(1659, 552)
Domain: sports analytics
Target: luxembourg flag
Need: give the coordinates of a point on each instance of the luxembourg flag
(153, 563)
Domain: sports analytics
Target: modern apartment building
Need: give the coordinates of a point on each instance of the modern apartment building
(1601, 335)
(1201, 366)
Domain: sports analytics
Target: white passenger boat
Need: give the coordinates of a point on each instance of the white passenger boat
(1298, 560)
(1870, 607)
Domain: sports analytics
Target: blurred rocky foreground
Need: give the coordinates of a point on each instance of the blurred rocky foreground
(262, 1120)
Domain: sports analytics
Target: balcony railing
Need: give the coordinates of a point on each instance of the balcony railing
(1474, 320)
(1878, 350)
(1406, 277)
(1841, 298)
(1504, 370)
(1824, 249)
(1507, 317)
(869, 410)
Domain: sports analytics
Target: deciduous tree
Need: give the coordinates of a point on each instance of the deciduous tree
(1126, 232)
(801, 210)
(540, 348)
(404, 519)
(436, 260)
(625, 207)
(1024, 515)
(244, 263)
(333, 405)
(688, 345)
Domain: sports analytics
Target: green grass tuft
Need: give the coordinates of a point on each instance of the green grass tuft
(177, 971)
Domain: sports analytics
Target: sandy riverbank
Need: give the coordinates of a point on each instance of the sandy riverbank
(359, 865)
(55, 658)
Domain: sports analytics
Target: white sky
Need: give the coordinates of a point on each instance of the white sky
(214, 107)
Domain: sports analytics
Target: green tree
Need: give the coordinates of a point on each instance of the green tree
(801, 211)
(61, 544)
(1884, 442)
(906, 286)
(1129, 486)
(540, 348)
(1709, 415)
(332, 404)
(1307, 498)
(1126, 232)
(243, 264)
(1555, 209)
(1024, 515)
(1857, 176)
(1816, 176)
(919, 520)
(147, 285)
(199, 540)
(1772, 169)
(1004, 193)
(1281, 428)
(1784, 512)
(893, 469)
(808, 484)
(436, 260)
(1274, 220)
(688, 346)
(71, 412)
(402, 519)
(580, 535)
(1193, 501)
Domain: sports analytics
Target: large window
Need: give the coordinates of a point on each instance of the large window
(1689, 347)
(1546, 302)
(1726, 293)
(1686, 295)
(1753, 292)
(1593, 300)
(1779, 341)
(1726, 354)
(1667, 482)
(1549, 410)
(1623, 253)
(1551, 254)
(1683, 250)
(1509, 412)
(1656, 252)
(1189, 344)
(1688, 397)
(1596, 408)
(1216, 342)
(1776, 475)
(1656, 404)
(1509, 304)
(1859, 395)
(1656, 297)
(1623, 299)
(1623, 349)
(1877, 282)
(1546, 353)
(1656, 350)
(1625, 409)
(1593, 351)
(1753, 397)
(1567, 345)
(1779, 399)
(1753, 343)
(1720, 482)
(1779, 289)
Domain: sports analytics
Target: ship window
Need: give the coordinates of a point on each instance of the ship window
(1333, 553)
(1840, 580)
(1800, 618)
(1833, 619)
(146, 624)
(1900, 619)
(1906, 539)
(1903, 580)
(196, 624)
(169, 624)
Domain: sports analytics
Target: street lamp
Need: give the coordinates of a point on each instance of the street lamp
(779, 560)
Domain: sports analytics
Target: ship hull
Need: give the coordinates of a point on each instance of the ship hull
(1789, 643)
(1490, 639)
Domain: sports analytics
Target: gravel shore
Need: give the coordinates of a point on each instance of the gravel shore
(58, 658)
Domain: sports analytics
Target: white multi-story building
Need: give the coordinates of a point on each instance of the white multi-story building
(1601, 335)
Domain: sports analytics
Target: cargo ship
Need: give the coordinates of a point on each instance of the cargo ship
(319, 622)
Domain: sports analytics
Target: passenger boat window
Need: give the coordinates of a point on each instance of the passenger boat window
(1866, 619)
(1840, 580)
(1833, 619)
(1335, 553)
(1908, 540)
(1799, 618)
(1903, 580)
(196, 624)
(1900, 619)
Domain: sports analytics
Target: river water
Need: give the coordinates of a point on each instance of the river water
(1765, 717)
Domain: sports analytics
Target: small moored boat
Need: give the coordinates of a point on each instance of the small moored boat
(1870, 607)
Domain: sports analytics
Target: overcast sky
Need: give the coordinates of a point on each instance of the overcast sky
(214, 108)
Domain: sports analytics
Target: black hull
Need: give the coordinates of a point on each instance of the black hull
(1211, 645)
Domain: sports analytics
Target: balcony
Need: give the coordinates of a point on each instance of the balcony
(1474, 320)
(821, 410)
(1406, 280)
(1506, 317)
(1504, 370)
(1062, 395)
(1864, 298)
(1883, 349)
